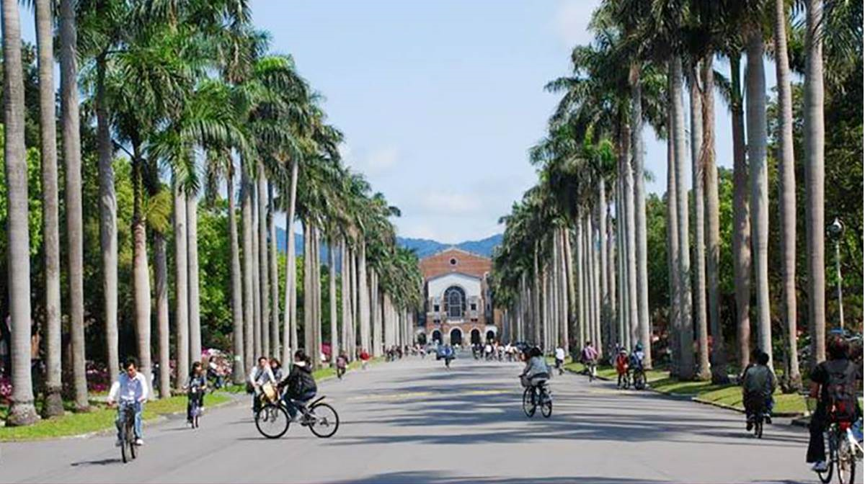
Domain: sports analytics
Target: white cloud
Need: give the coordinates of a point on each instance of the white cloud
(450, 203)
(571, 22)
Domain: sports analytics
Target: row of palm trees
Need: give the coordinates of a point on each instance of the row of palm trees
(645, 58)
(187, 91)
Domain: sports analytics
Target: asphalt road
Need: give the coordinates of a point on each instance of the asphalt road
(415, 422)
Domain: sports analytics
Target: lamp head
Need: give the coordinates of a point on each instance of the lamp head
(836, 228)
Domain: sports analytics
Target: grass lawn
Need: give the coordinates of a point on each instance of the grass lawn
(100, 418)
(729, 394)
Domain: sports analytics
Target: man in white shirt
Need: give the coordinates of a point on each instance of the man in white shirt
(130, 389)
(560, 359)
(258, 377)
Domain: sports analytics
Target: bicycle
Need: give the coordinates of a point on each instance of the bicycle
(272, 420)
(128, 449)
(638, 379)
(842, 449)
(591, 370)
(758, 415)
(537, 395)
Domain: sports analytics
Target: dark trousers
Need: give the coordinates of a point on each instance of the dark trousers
(198, 398)
(816, 443)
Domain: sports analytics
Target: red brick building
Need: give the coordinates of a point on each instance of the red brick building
(459, 307)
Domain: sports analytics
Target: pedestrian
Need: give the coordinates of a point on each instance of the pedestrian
(341, 364)
(560, 359)
(364, 358)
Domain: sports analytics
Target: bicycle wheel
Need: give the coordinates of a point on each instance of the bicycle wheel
(272, 421)
(326, 421)
(639, 380)
(130, 439)
(832, 454)
(546, 405)
(846, 464)
(528, 403)
(123, 448)
(758, 427)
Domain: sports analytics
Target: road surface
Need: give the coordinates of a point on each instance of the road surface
(412, 421)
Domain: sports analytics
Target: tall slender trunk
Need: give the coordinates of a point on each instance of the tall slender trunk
(713, 223)
(580, 283)
(814, 179)
(289, 323)
(181, 284)
(630, 241)
(741, 218)
(363, 298)
(308, 296)
(263, 266)
(248, 263)
(255, 270)
(611, 278)
(567, 289)
(376, 315)
(674, 322)
(140, 270)
(160, 276)
(50, 209)
(787, 198)
(107, 220)
(696, 105)
(316, 266)
(353, 303)
(602, 235)
(640, 238)
(622, 309)
(686, 371)
(70, 120)
(755, 96)
(194, 293)
(536, 303)
(239, 367)
(273, 264)
(22, 411)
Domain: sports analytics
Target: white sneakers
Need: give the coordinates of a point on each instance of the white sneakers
(820, 467)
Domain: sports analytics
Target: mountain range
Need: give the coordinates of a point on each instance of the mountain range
(422, 247)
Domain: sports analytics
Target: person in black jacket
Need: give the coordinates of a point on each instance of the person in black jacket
(300, 385)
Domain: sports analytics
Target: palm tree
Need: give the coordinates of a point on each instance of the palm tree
(51, 225)
(263, 267)
(70, 120)
(787, 205)
(273, 263)
(755, 95)
(194, 292)
(181, 282)
(22, 411)
(814, 178)
(237, 314)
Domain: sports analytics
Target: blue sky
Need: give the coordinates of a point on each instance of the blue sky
(440, 100)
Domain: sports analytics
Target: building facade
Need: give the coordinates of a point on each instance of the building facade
(458, 306)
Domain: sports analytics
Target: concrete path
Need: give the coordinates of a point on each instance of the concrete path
(415, 422)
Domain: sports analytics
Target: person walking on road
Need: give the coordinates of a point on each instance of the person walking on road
(364, 358)
(560, 359)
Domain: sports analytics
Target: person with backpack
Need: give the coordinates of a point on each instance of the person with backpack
(758, 385)
(300, 384)
(833, 383)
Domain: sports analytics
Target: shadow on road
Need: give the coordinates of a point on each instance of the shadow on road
(100, 462)
(420, 477)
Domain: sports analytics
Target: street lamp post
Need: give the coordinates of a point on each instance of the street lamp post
(836, 230)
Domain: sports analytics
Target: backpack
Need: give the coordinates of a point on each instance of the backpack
(840, 393)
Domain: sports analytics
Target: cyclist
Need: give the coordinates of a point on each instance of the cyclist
(215, 372)
(589, 358)
(536, 371)
(258, 377)
(195, 386)
(758, 385)
(448, 355)
(636, 363)
(300, 385)
(129, 389)
(560, 359)
(622, 365)
(341, 364)
(833, 381)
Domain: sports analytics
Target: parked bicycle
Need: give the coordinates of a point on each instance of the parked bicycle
(272, 420)
(535, 396)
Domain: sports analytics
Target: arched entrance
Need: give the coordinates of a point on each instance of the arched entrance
(456, 337)
(437, 336)
(476, 337)
(491, 336)
(421, 339)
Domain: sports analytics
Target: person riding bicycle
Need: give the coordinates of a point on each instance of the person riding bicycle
(195, 386)
(536, 371)
(560, 359)
(622, 365)
(834, 382)
(589, 356)
(300, 385)
(636, 360)
(341, 364)
(130, 389)
(215, 373)
(261, 375)
(758, 385)
(448, 355)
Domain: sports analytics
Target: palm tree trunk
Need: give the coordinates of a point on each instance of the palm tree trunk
(814, 178)
(194, 292)
(334, 337)
(787, 198)
(536, 304)
(686, 371)
(22, 411)
(363, 298)
(70, 120)
(273, 264)
(611, 278)
(289, 323)
(316, 265)
(741, 218)
(256, 273)
(713, 224)
(50, 209)
(263, 266)
(640, 238)
(248, 264)
(354, 303)
(703, 372)
(107, 220)
(140, 271)
(755, 83)
(308, 301)
(630, 240)
(568, 277)
(181, 282)
(239, 367)
(602, 235)
(160, 276)
(674, 322)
